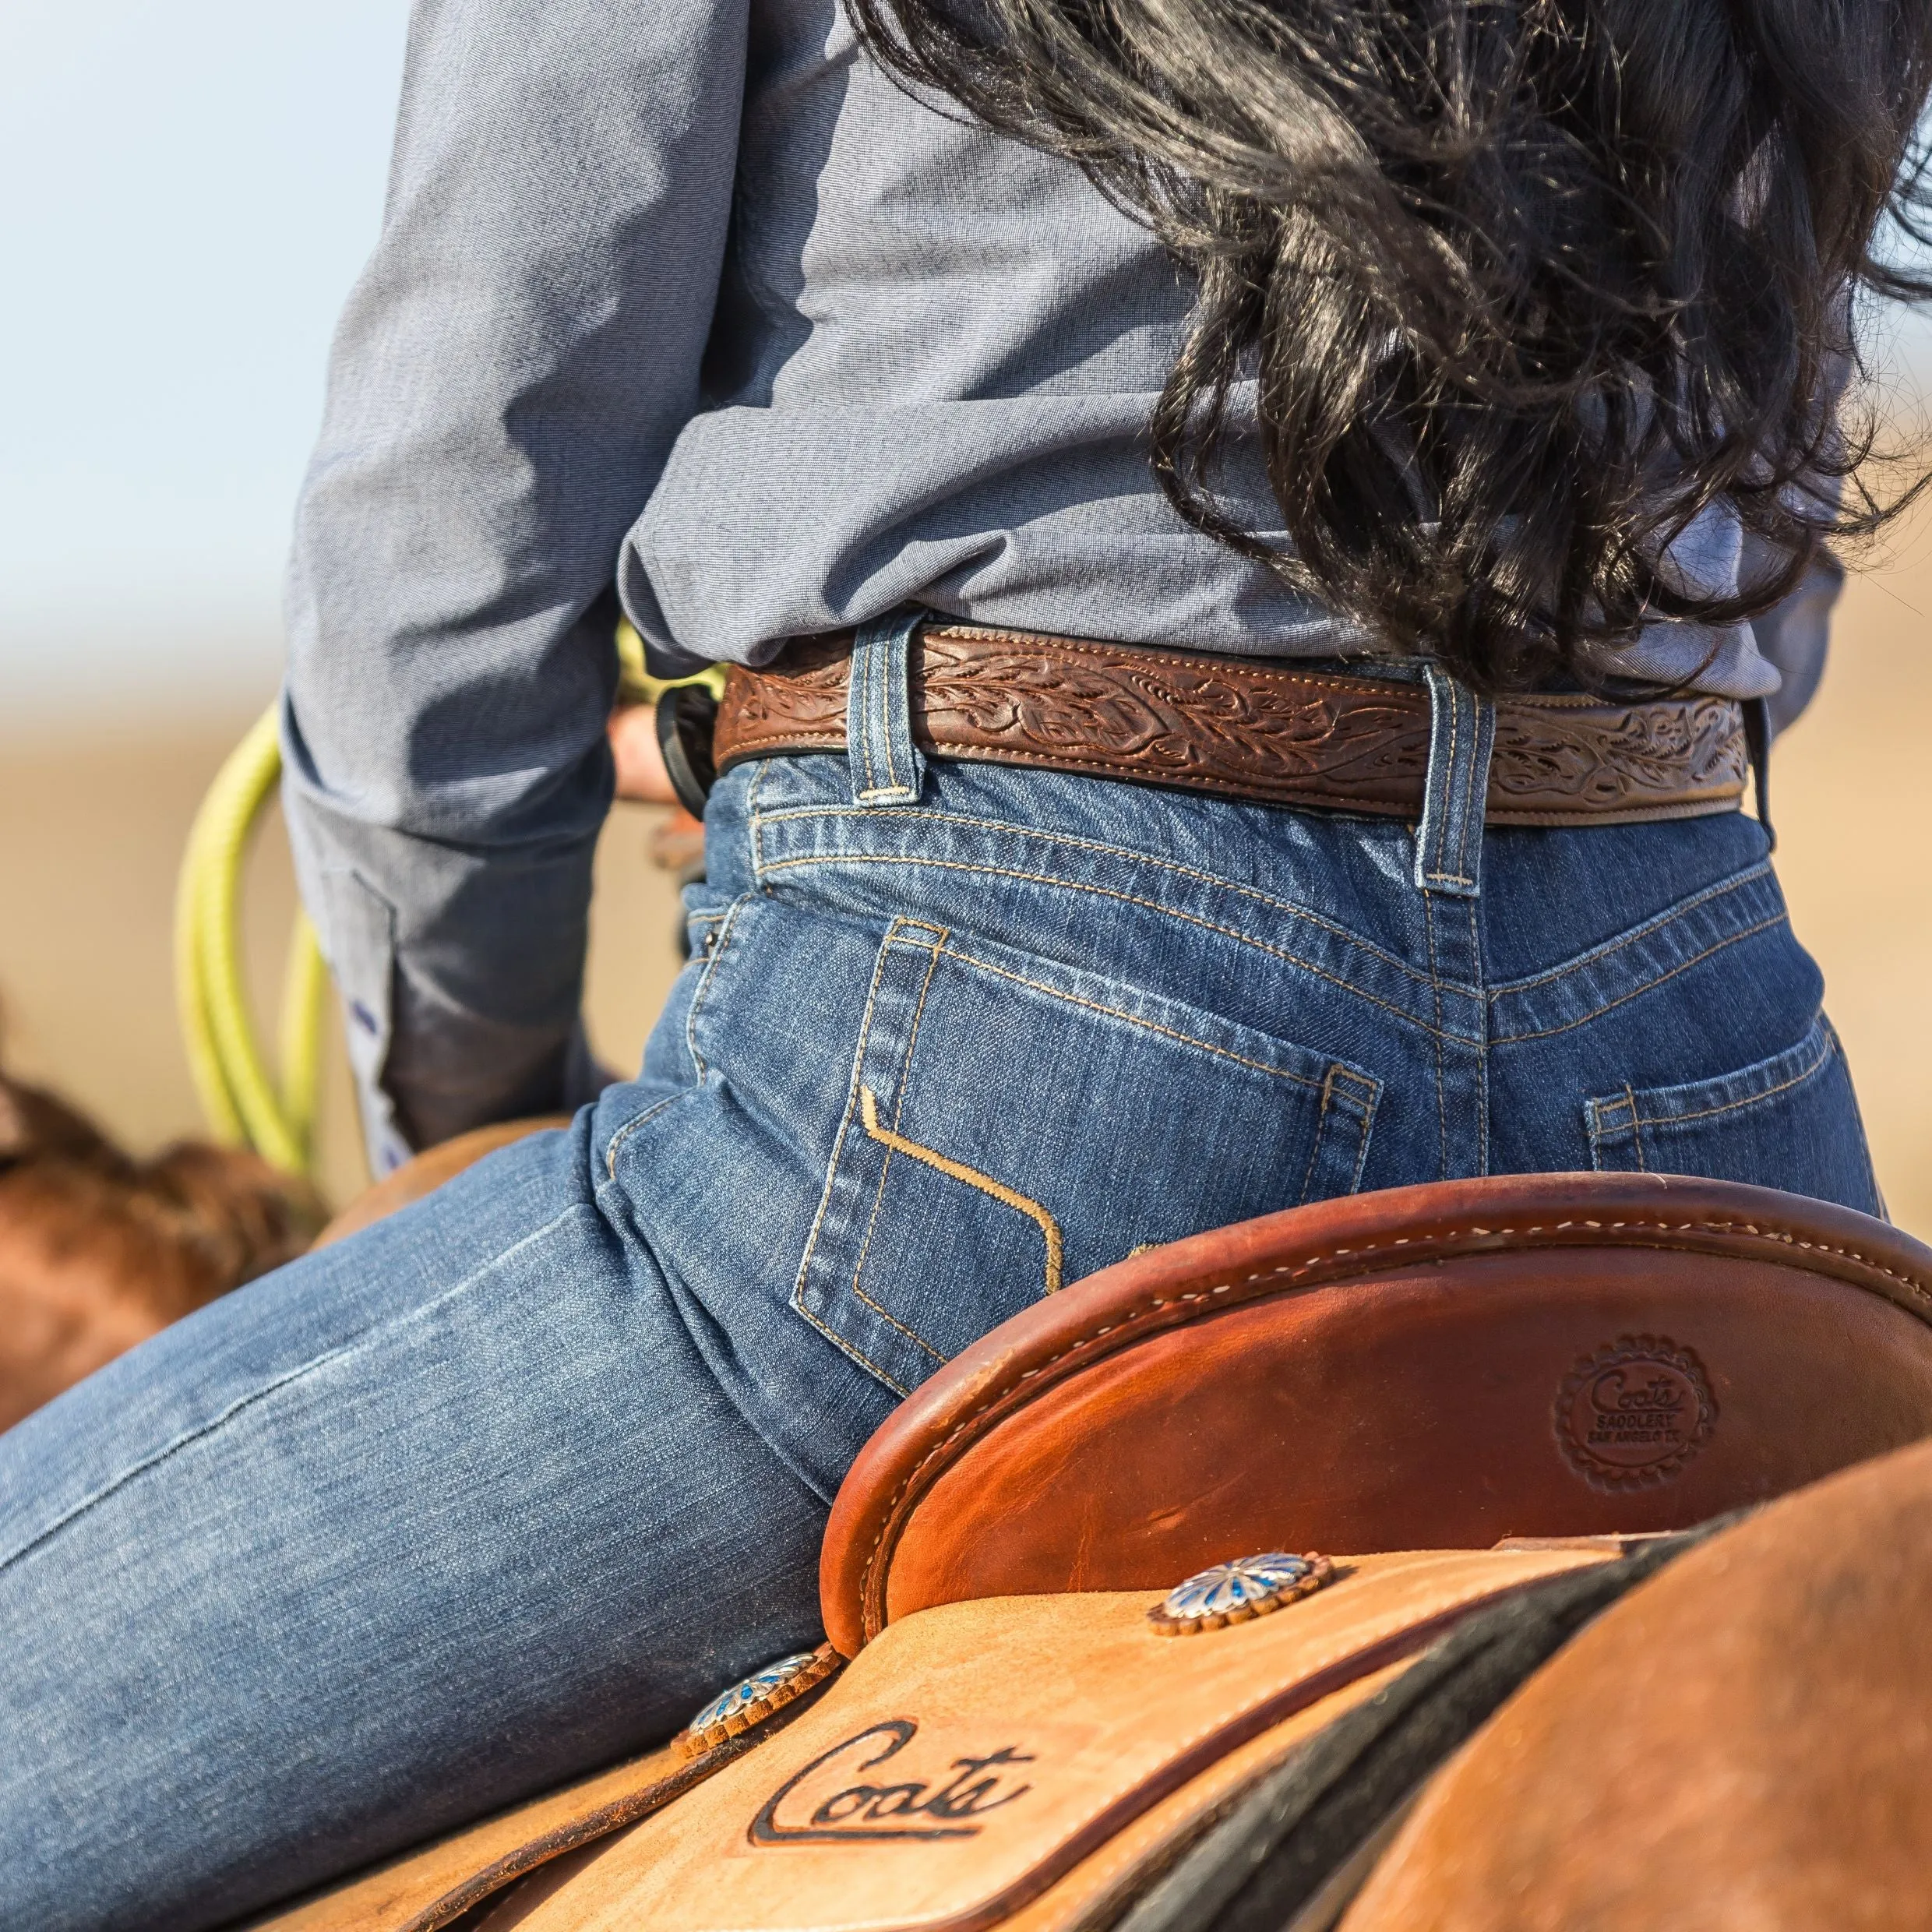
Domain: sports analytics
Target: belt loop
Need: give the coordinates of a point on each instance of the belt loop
(888, 768)
(1455, 799)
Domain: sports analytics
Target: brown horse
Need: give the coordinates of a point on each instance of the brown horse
(1743, 1744)
(99, 1250)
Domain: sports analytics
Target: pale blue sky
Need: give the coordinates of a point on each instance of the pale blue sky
(191, 186)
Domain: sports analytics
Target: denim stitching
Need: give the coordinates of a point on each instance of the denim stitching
(1468, 810)
(1365, 1106)
(756, 821)
(885, 1171)
(799, 1301)
(1442, 798)
(1428, 827)
(971, 1177)
(631, 1126)
(1705, 896)
(912, 1040)
(1314, 1152)
(893, 1321)
(869, 673)
(885, 1314)
(1364, 1112)
(724, 923)
(216, 1423)
(1662, 920)
(1441, 824)
(1445, 827)
(161, 1455)
(1459, 817)
(838, 1151)
(878, 734)
(1816, 1067)
(1442, 1064)
(1590, 1135)
(1594, 1112)
(1481, 1055)
(895, 706)
(1826, 1053)
(1152, 905)
(883, 699)
(726, 932)
(940, 946)
(850, 1350)
(1649, 985)
(869, 715)
(1131, 1019)
(893, 698)
(1284, 907)
(1474, 808)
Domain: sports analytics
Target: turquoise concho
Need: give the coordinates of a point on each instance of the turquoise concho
(1232, 1593)
(754, 1700)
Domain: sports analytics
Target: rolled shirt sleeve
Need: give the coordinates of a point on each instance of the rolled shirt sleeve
(506, 384)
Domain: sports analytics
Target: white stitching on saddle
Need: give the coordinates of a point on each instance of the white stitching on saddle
(1780, 1236)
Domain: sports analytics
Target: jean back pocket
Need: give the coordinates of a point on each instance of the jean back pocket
(1014, 1124)
(1790, 1121)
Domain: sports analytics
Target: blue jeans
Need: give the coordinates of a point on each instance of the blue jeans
(503, 1488)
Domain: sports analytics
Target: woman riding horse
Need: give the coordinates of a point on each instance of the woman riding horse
(1256, 546)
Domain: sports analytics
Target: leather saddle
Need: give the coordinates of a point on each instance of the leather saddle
(1357, 1427)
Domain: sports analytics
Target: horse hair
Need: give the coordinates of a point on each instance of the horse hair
(98, 1247)
(1300, 1828)
(1513, 290)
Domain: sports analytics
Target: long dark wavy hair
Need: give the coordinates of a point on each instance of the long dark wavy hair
(1523, 286)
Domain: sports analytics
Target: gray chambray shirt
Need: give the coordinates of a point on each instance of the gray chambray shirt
(685, 295)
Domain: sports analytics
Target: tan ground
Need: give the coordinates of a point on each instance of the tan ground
(91, 827)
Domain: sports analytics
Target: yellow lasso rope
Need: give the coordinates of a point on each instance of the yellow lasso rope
(245, 1106)
(636, 685)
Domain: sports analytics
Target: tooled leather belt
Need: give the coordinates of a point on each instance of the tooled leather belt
(1244, 729)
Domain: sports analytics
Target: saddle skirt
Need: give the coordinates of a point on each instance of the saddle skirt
(1477, 1388)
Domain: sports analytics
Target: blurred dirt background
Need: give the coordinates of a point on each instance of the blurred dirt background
(91, 830)
(92, 822)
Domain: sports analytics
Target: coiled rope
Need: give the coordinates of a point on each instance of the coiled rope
(244, 1105)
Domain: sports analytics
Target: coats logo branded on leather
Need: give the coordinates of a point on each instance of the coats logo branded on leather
(1634, 1412)
(828, 1801)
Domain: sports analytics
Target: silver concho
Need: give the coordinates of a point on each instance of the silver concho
(748, 1703)
(1232, 1593)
